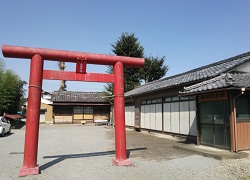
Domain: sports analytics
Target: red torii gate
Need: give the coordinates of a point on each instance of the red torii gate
(37, 56)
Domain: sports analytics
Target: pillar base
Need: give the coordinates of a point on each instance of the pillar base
(117, 162)
(24, 171)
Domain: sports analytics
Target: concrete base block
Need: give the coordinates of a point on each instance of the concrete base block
(24, 171)
(117, 162)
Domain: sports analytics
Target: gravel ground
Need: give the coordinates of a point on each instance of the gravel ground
(86, 152)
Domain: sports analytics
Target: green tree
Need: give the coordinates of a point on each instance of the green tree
(153, 69)
(127, 45)
(11, 90)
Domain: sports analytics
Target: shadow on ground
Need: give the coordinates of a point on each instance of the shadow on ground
(60, 158)
(157, 148)
(17, 124)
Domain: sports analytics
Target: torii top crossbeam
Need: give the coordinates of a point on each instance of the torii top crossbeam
(69, 56)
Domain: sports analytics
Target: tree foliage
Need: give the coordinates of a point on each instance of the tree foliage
(11, 90)
(153, 69)
(127, 45)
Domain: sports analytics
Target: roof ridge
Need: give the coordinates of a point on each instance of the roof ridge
(209, 65)
(226, 80)
(205, 82)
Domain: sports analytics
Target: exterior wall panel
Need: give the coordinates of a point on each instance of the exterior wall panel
(184, 118)
(143, 116)
(158, 117)
(129, 115)
(193, 119)
(137, 113)
(175, 117)
(152, 119)
(78, 116)
(180, 117)
(167, 117)
(88, 116)
(147, 117)
(63, 119)
(42, 117)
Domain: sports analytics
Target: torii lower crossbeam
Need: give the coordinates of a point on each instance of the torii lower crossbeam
(72, 76)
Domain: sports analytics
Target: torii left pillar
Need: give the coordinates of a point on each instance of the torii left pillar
(37, 56)
(33, 114)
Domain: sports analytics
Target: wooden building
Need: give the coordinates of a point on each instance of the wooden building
(210, 103)
(77, 107)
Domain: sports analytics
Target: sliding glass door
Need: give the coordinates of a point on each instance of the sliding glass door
(214, 124)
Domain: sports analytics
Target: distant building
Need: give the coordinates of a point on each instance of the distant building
(77, 107)
(46, 108)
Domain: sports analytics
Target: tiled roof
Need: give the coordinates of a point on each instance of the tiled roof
(196, 75)
(238, 80)
(71, 96)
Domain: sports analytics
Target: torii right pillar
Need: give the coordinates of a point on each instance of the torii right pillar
(119, 113)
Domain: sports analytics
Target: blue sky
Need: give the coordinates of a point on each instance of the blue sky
(190, 33)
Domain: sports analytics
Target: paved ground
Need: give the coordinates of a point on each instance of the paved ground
(86, 152)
